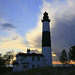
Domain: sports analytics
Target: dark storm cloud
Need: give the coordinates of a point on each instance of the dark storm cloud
(63, 34)
(7, 26)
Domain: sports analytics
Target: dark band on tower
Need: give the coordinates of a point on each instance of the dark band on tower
(46, 39)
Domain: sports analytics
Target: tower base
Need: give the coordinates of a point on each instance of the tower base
(47, 55)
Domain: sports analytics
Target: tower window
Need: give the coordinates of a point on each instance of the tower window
(38, 58)
(32, 58)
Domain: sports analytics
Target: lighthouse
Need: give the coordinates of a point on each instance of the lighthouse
(46, 39)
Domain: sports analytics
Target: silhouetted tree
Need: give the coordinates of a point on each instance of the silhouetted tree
(72, 53)
(2, 64)
(64, 57)
(4, 60)
(9, 57)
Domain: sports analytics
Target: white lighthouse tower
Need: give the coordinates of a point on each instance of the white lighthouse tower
(46, 40)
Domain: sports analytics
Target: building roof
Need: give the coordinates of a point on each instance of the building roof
(32, 54)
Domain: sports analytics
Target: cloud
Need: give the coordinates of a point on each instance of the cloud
(14, 41)
(34, 37)
(62, 15)
(64, 24)
(7, 26)
(36, 51)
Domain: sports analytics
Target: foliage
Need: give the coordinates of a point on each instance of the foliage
(64, 57)
(72, 53)
(2, 65)
(4, 60)
(9, 57)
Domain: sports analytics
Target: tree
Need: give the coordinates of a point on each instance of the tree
(9, 57)
(2, 64)
(64, 57)
(4, 60)
(72, 53)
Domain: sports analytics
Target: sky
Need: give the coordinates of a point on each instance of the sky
(21, 26)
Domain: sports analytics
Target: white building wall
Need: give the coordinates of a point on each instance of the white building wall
(36, 62)
(48, 56)
(28, 59)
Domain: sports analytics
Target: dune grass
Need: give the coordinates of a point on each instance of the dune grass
(46, 71)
